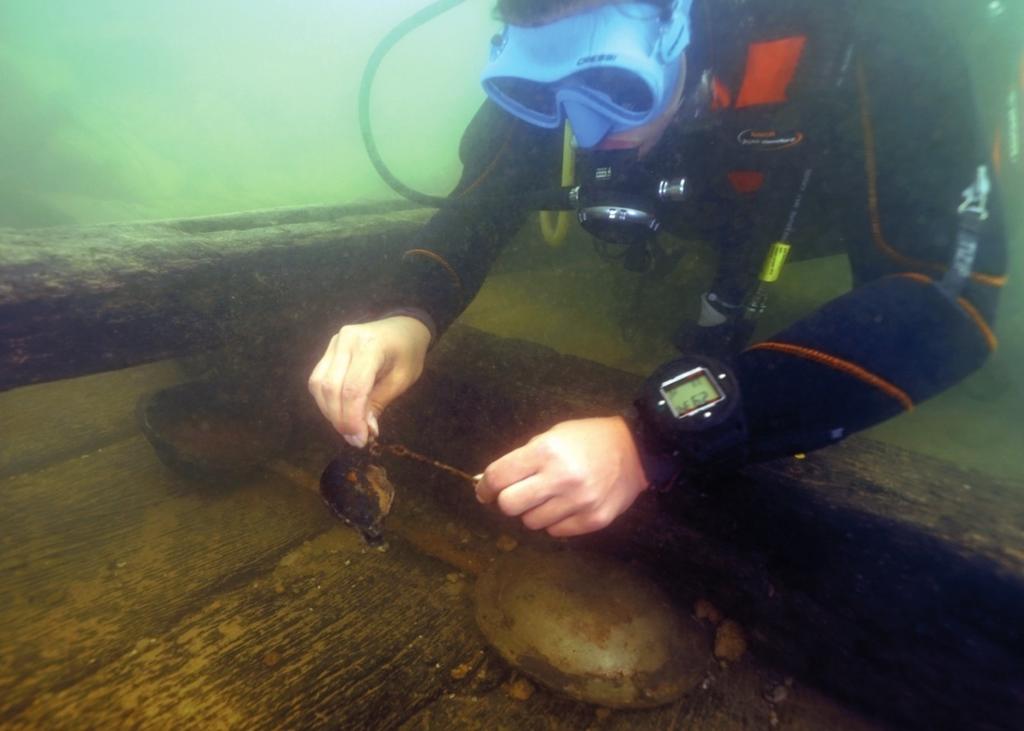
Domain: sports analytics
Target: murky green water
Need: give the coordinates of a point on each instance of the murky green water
(178, 109)
(115, 112)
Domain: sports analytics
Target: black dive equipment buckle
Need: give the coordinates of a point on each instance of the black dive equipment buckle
(690, 410)
(620, 202)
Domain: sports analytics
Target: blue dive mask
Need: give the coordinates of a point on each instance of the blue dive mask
(608, 69)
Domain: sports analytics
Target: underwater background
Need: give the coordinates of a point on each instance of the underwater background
(119, 111)
(166, 556)
(116, 111)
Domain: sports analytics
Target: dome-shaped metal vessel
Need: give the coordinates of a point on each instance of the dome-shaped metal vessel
(590, 628)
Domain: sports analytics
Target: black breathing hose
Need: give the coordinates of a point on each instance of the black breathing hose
(365, 86)
(552, 199)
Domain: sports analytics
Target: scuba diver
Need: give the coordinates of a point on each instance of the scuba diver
(713, 119)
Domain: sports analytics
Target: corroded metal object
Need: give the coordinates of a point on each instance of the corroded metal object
(210, 432)
(357, 489)
(360, 493)
(590, 628)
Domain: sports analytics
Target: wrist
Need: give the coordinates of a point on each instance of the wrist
(414, 313)
(415, 332)
(659, 469)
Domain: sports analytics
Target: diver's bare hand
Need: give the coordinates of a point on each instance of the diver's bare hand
(365, 368)
(575, 478)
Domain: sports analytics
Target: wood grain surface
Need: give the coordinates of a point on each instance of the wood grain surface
(134, 598)
(76, 300)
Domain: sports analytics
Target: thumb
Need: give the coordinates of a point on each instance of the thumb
(371, 423)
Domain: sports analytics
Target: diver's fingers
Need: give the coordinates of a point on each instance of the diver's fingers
(524, 495)
(333, 381)
(391, 383)
(355, 392)
(515, 466)
(549, 513)
(319, 384)
(316, 378)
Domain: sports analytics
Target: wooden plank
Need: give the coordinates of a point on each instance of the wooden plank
(868, 571)
(323, 634)
(54, 422)
(82, 299)
(498, 392)
(139, 598)
(336, 635)
(107, 548)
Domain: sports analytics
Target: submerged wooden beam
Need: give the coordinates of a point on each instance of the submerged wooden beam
(866, 571)
(890, 579)
(887, 578)
(137, 597)
(82, 299)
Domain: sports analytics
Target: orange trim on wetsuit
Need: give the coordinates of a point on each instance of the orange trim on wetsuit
(990, 337)
(871, 168)
(917, 277)
(435, 257)
(976, 317)
(844, 366)
(489, 169)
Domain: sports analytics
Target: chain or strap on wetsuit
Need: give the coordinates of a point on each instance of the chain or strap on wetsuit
(972, 213)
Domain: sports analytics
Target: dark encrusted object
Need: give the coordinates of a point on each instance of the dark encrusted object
(212, 432)
(359, 492)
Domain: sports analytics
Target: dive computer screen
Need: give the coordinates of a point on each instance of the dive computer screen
(691, 392)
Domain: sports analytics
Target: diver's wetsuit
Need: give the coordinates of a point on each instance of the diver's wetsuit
(885, 130)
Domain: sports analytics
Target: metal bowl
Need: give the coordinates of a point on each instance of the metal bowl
(207, 433)
(590, 628)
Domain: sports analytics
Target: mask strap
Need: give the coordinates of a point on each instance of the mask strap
(673, 31)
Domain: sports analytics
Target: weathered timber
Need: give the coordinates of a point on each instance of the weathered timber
(891, 579)
(47, 423)
(870, 572)
(107, 548)
(137, 599)
(331, 637)
(132, 597)
(81, 299)
(887, 578)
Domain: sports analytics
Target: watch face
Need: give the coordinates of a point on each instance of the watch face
(691, 393)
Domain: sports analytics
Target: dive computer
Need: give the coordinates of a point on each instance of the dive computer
(690, 412)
